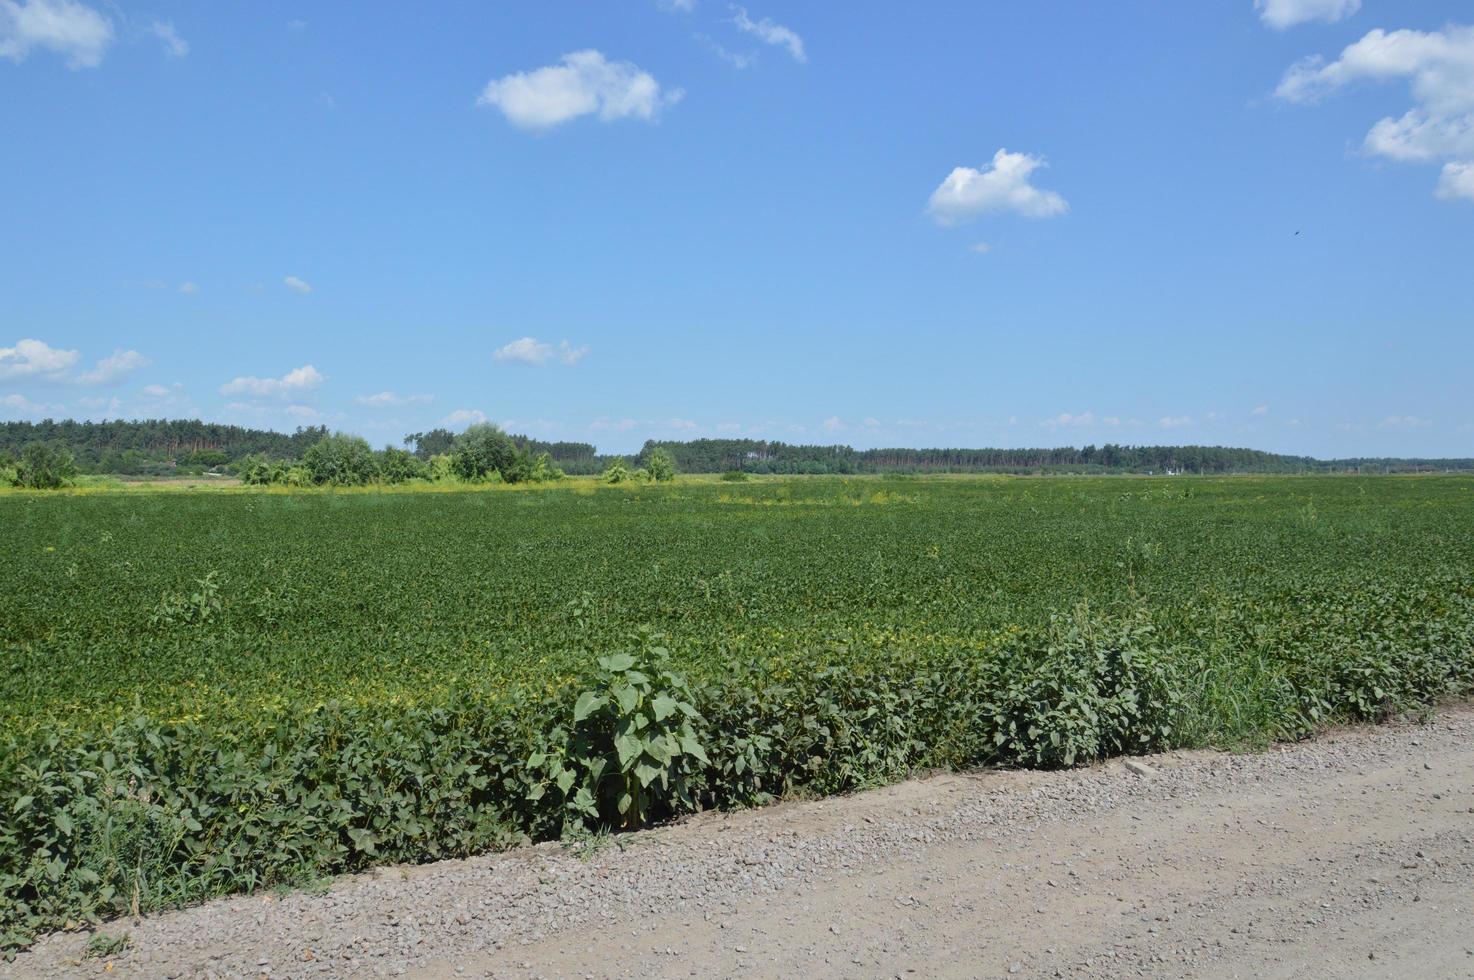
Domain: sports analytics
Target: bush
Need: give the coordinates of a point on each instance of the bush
(484, 449)
(662, 465)
(45, 466)
(734, 476)
(617, 472)
(341, 460)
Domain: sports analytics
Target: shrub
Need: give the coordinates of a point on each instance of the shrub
(45, 466)
(340, 460)
(662, 465)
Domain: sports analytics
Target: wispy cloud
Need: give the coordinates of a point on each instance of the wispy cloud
(174, 45)
(463, 417)
(117, 366)
(390, 399)
(770, 32)
(297, 285)
(530, 350)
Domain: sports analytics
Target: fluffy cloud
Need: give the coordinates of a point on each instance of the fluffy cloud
(530, 350)
(71, 29)
(1084, 420)
(297, 285)
(115, 367)
(174, 45)
(1260, 410)
(390, 399)
(464, 416)
(1003, 186)
(1439, 66)
(34, 359)
(768, 32)
(188, 288)
(1175, 422)
(1403, 422)
(1280, 14)
(584, 83)
(294, 382)
(685, 6)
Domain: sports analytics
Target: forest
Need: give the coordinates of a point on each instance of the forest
(163, 447)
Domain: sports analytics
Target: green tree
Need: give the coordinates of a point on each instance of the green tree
(341, 460)
(483, 449)
(45, 466)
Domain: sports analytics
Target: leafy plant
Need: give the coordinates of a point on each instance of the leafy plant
(632, 749)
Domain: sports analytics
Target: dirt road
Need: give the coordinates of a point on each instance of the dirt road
(1352, 856)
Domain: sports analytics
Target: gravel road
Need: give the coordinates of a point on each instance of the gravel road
(1350, 856)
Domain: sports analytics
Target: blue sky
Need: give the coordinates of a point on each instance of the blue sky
(881, 224)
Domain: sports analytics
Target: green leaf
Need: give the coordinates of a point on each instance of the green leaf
(629, 748)
(64, 823)
(664, 706)
(565, 780)
(588, 702)
(627, 697)
(617, 663)
(647, 773)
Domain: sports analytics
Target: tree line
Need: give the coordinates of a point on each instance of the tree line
(158, 447)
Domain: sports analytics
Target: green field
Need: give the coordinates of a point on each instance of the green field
(204, 692)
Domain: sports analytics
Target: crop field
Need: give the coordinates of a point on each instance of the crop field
(211, 692)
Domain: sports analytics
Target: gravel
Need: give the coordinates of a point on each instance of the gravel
(1159, 868)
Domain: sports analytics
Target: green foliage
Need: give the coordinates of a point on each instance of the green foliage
(44, 466)
(734, 476)
(189, 609)
(662, 465)
(340, 460)
(632, 749)
(349, 680)
(618, 472)
(484, 449)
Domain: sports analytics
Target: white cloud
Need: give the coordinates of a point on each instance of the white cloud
(115, 367)
(585, 83)
(389, 399)
(156, 391)
(174, 45)
(1066, 420)
(35, 359)
(530, 350)
(1456, 181)
(769, 32)
(1439, 66)
(1260, 410)
(188, 288)
(1003, 186)
(297, 285)
(833, 424)
(296, 25)
(71, 29)
(685, 6)
(298, 380)
(982, 248)
(464, 416)
(1281, 14)
(1175, 422)
(1404, 422)
(21, 405)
